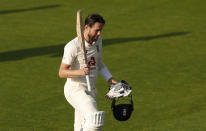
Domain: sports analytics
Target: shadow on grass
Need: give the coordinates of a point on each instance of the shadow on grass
(143, 38)
(28, 9)
(57, 50)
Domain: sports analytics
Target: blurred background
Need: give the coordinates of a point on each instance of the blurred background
(158, 46)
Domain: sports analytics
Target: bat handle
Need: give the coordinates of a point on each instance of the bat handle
(88, 83)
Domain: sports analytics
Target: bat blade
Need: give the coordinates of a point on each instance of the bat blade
(80, 35)
(79, 29)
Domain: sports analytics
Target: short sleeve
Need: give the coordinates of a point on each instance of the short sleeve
(69, 53)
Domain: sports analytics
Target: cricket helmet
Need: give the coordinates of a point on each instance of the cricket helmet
(122, 107)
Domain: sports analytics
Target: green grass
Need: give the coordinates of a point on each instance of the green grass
(157, 46)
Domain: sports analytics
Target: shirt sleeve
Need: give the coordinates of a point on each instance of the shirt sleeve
(69, 53)
(103, 70)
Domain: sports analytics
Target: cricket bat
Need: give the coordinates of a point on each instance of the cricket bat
(80, 35)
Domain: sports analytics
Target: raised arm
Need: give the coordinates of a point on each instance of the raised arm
(65, 72)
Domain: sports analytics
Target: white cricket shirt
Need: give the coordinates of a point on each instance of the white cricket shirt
(73, 56)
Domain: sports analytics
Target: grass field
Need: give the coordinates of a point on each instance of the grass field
(158, 46)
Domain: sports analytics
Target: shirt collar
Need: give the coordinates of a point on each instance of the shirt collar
(88, 44)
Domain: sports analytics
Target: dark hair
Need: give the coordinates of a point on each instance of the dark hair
(93, 18)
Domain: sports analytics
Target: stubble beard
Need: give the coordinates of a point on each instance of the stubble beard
(92, 38)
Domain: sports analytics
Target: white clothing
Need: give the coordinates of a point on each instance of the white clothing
(84, 102)
(75, 89)
(73, 56)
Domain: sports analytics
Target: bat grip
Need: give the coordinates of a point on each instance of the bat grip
(88, 83)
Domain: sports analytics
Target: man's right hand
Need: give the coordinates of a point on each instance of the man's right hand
(85, 70)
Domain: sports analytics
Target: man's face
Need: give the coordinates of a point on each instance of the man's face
(94, 31)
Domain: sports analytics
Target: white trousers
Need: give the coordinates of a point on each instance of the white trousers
(82, 101)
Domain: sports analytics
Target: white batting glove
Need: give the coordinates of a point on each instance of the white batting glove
(120, 89)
